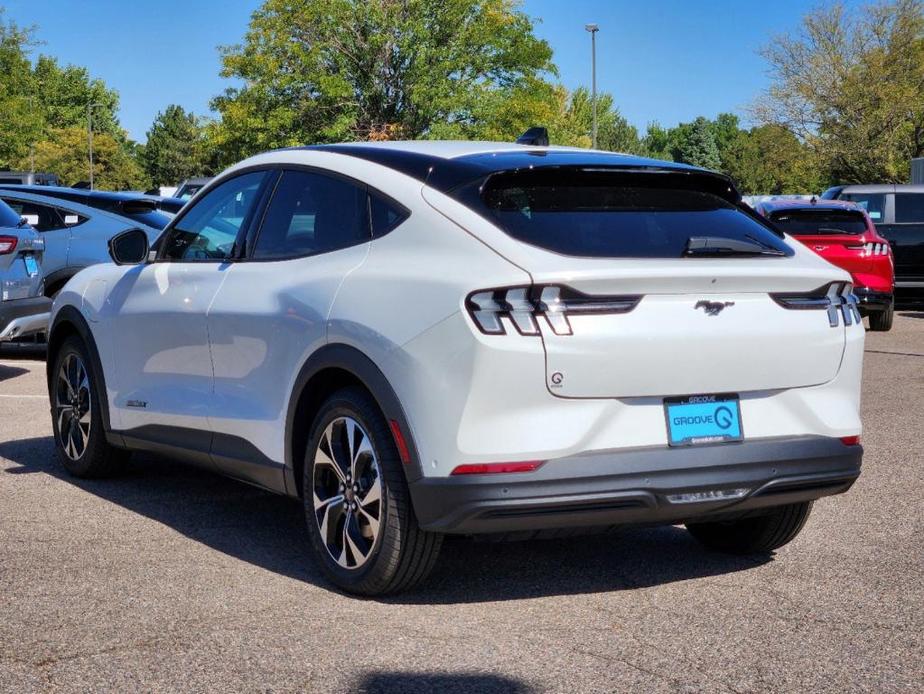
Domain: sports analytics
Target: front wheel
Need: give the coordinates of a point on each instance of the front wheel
(76, 416)
(754, 535)
(357, 505)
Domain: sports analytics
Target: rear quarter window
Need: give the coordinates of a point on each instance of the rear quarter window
(597, 214)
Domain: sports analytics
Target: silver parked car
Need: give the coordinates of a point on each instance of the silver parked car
(23, 307)
(77, 235)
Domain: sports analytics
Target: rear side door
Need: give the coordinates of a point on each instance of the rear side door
(164, 377)
(272, 310)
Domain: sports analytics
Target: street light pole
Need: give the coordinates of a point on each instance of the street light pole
(593, 29)
(90, 139)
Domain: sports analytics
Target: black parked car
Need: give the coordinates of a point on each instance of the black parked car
(898, 213)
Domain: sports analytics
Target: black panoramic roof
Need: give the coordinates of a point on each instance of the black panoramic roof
(447, 173)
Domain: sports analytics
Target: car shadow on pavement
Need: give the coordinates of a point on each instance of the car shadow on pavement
(446, 683)
(8, 372)
(911, 314)
(268, 531)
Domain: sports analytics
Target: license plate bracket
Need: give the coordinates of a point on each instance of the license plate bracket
(701, 419)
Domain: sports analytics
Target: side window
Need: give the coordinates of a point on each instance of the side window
(909, 208)
(209, 229)
(385, 215)
(40, 217)
(311, 213)
(873, 203)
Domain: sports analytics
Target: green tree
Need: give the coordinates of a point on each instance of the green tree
(21, 123)
(850, 84)
(64, 94)
(657, 142)
(696, 144)
(175, 147)
(574, 126)
(65, 153)
(332, 70)
(770, 160)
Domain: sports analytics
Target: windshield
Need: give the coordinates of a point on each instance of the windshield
(607, 214)
(8, 218)
(815, 222)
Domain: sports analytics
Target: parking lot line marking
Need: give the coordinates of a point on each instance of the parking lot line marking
(24, 395)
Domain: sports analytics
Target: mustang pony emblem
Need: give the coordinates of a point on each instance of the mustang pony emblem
(713, 308)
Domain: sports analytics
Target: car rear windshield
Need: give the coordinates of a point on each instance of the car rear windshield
(8, 218)
(616, 214)
(815, 222)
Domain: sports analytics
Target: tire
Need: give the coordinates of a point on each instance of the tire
(77, 420)
(759, 534)
(360, 521)
(881, 321)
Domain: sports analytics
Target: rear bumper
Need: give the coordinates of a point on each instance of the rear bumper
(20, 317)
(872, 300)
(639, 486)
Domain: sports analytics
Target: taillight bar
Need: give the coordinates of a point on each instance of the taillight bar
(523, 306)
(8, 244)
(833, 298)
(871, 248)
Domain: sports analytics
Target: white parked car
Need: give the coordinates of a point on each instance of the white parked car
(425, 338)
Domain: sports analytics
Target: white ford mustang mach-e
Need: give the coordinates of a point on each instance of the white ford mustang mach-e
(425, 338)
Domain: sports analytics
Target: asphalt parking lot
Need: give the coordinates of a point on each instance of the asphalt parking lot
(172, 579)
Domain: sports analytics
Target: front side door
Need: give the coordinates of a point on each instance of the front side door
(163, 384)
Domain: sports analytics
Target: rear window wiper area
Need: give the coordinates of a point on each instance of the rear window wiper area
(720, 246)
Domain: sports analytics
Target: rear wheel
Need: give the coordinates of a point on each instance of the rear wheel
(881, 321)
(76, 416)
(357, 506)
(754, 535)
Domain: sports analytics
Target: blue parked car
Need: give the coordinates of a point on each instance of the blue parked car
(76, 225)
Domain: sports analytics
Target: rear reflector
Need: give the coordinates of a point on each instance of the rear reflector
(494, 468)
(851, 440)
(403, 452)
(708, 495)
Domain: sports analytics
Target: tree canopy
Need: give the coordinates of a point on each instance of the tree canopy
(850, 84)
(43, 116)
(175, 147)
(333, 70)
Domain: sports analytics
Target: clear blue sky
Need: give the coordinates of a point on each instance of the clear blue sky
(663, 60)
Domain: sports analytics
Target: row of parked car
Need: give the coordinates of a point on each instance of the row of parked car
(48, 233)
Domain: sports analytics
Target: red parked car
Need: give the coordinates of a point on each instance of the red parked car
(842, 233)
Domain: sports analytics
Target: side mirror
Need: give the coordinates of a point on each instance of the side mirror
(129, 248)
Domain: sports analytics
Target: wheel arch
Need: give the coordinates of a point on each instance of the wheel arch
(56, 280)
(331, 368)
(67, 322)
